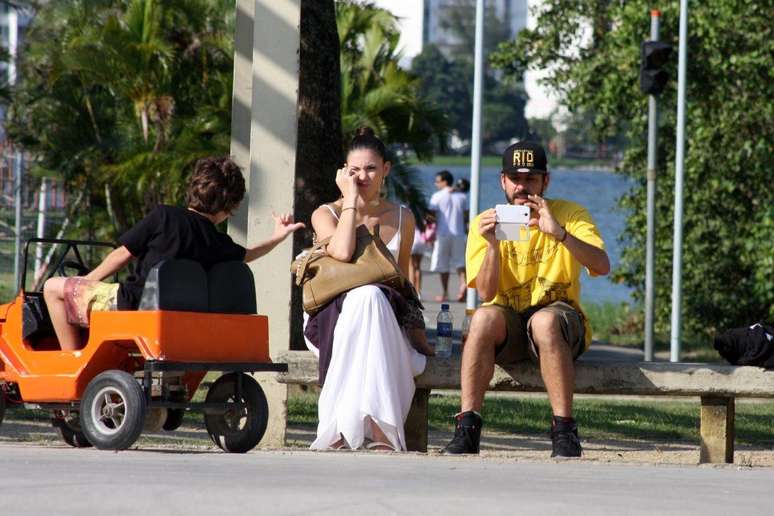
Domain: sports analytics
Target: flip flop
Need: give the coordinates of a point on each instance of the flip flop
(341, 444)
(441, 299)
(379, 446)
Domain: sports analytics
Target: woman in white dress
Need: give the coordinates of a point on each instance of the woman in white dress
(369, 384)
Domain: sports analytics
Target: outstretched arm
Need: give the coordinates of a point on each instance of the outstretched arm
(283, 226)
(114, 262)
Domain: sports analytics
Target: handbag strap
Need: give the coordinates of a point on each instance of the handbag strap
(301, 272)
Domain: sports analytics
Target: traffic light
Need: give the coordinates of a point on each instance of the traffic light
(653, 57)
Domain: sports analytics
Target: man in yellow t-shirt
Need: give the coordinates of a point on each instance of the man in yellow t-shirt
(531, 293)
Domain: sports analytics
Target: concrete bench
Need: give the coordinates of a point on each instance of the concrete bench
(716, 385)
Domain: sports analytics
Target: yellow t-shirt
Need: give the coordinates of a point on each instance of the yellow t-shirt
(539, 271)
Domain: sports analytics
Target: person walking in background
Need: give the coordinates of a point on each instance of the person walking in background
(424, 237)
(462, 185)
(451, 211)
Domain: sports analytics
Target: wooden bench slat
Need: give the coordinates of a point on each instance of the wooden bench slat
(591, 377)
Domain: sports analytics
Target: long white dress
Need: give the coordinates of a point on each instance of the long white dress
(371, 373)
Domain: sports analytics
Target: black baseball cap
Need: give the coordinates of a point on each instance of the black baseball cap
(525, 157)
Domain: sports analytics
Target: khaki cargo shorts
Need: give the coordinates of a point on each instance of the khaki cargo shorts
(519, 345)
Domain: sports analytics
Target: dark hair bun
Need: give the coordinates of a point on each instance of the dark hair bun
(365, 131)
(365, 138)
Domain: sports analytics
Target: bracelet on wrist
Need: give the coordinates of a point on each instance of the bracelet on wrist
(564, 236)
(348, 208)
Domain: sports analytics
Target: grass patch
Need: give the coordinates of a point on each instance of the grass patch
(598, 419)
(621, 324)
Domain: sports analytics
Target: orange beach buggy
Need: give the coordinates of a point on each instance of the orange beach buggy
(139, 369)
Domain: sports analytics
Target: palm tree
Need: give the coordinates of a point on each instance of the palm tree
(378, 93)
(120, 97)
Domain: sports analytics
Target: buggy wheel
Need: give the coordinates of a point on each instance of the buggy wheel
(2, 405)
(113, 410)
(174, 419)
(238, 430)
(68, 427)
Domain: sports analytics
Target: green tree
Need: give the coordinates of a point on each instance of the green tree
(447, 79)
(376, 92)
(121, 97)
(728, 264)
(447, 83)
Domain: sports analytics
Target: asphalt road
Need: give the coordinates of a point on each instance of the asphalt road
(48, 480)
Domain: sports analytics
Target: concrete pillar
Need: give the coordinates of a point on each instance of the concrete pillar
(264, 128)
(717, 430)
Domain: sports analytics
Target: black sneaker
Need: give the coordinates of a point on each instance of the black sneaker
(565, 443)
(467, 434)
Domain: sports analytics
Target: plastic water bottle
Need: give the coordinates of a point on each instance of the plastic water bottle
(443, 336)
(466, 327)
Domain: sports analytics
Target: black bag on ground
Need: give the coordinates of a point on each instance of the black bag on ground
(751, 345)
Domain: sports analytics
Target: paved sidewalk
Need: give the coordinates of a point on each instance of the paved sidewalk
(47, 480)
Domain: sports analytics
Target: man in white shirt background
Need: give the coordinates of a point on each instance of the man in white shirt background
(450, 208)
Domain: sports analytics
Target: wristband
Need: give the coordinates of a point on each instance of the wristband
(564, 237)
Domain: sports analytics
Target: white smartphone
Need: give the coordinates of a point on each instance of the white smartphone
(510, 214)
(512, 222)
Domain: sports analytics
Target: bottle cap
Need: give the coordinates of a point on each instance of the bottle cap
(470, 311)
(444, 306)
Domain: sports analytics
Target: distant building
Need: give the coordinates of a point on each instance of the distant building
(13, 38)
(434, 32)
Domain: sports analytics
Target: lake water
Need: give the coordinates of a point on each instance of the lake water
(597, 190)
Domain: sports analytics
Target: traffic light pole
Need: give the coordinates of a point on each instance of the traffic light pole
(651, 179)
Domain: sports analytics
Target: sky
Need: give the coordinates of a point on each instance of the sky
(540, 105)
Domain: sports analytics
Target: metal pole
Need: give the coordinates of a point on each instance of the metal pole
(677, 261)
(651, 177)
(13, 35)
(475, 139)
(42, 205)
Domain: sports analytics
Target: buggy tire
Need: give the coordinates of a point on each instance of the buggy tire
(2, 405)
(237, 431)
(69, 430)
(113, 410)
(174, 419)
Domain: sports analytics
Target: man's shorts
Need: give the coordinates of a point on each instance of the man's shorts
(519, 344)
(82, 296)
(448, 254)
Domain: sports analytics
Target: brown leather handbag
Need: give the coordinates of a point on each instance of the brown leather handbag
(323, 277)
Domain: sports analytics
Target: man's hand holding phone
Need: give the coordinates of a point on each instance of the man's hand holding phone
(512, 222)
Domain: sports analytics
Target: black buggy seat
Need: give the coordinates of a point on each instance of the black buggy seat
(184, 286)
(231, 289)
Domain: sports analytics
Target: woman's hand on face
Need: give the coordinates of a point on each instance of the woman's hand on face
(346, 180)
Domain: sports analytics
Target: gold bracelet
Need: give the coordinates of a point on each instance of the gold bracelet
(348, 208)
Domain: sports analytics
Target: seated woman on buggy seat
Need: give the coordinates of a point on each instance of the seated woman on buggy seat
(215, 189)
(369, 384)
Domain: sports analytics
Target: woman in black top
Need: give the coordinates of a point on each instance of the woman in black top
(215, 189)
